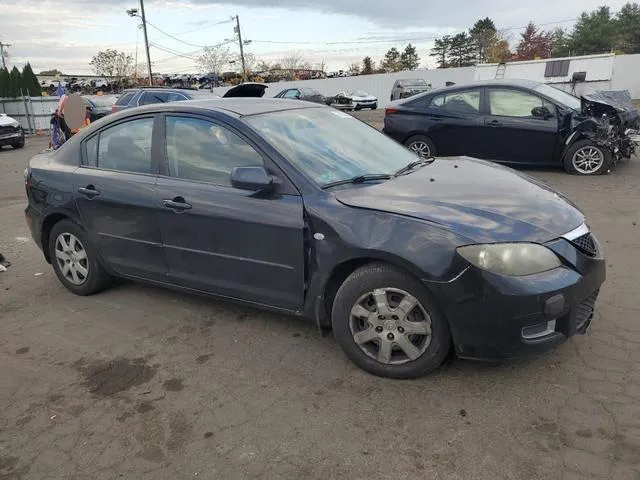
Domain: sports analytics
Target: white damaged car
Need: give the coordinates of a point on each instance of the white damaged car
(11, 133)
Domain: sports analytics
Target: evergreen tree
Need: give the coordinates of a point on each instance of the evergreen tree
(15, 82)
(4, 83)
(409, 59)
(30, 82)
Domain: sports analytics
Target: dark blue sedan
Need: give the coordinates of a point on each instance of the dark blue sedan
(302, 209)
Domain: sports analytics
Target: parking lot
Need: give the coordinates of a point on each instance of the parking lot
(145, 383)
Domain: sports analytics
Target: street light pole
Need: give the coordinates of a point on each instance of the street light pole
(244, 69)
(146, 41)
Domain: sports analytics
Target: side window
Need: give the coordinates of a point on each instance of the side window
(91, 147)
(204, 151)
(463, 102)
(513, 103)
(125, 147)
(148, 98)
(290, 94)
(125, 98)
(176, 97)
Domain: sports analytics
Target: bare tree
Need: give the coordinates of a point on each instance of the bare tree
(263, 66)
(112, 63)
(354, 69)
(292, 61)
(250, 62)
(214, 59)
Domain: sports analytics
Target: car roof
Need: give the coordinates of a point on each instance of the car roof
(488, 83)
(238, 106)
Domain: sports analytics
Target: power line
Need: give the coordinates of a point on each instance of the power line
(175, 38)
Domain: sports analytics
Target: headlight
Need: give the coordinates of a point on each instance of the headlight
(15, 124)
(515, 259)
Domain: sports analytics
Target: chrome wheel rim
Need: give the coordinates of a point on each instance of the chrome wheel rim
(391, 326)
(588, 159)
(421, 148)
(72, 258)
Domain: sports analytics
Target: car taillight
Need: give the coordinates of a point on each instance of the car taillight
(389, 111)
(113, 108)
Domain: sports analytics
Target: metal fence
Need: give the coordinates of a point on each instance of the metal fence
(33, 113)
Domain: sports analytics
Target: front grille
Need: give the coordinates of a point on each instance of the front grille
(586, 244)
(584, 312)
(8, 129)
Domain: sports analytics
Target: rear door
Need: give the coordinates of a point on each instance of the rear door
(220, 239)
(115, 195)
(452, 120)
(512, 134)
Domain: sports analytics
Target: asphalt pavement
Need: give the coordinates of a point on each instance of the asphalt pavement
(145, 383)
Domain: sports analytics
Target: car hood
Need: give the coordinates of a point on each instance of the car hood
(362, 98)
(477, 200)
(248, 89)
(613, 102)
(6, 120)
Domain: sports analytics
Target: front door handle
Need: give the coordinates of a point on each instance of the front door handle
(178, 203)
(89, 191)
(494, 123)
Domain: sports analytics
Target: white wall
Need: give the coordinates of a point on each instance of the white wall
(378, 85)
(626, 74)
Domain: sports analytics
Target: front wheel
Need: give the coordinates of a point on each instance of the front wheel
(387, 323)
(587, 158)
(375, 106)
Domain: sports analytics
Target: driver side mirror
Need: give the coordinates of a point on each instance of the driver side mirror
(298, 95)
(255, 179)
(541, 112)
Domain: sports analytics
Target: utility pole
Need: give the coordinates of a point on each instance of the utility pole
(146, 41)
(4, 45)
(244, 69)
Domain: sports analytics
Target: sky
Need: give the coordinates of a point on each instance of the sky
(65, 34)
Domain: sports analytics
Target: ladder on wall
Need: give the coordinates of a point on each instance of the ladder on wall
(502, 67)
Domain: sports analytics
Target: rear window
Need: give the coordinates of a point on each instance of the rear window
(125, 98)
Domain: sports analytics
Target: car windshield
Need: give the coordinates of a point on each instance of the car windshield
(310, 91)
(559, 96)
(103, 100)
(418, 82)
(329, 146)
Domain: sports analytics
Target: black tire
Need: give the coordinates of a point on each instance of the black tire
(19, 144)
(97, 279)
(425, 140)
(568, 160)
(381, 276)
(375, 106)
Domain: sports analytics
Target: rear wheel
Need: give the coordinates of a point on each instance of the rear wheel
(387, 323)
(74, 260)
(421, 145)
(587, 158)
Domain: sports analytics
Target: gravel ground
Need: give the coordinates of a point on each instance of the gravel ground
(145, 383)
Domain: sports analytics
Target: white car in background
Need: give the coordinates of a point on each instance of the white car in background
(11, 133)
(362, 99)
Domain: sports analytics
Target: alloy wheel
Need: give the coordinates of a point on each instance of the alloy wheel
(72, 258)
(391, 326)
(588, 159)
(421, 148)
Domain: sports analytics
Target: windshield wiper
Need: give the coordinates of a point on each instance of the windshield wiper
(417, 163)
(359, 179)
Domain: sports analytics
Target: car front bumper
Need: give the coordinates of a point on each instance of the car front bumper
(496, 317)
(12, 138)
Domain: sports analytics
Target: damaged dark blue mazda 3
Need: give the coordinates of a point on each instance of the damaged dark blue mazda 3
(302, 209)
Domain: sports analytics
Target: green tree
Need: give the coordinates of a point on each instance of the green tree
(409, 59)
(391, 62)
(594, 32)
(534, 44)
(15, 82)
(30, 82)
(4, 83)
(627, 24)
(560, 43)
(368, 66)
(462, 50)
(484, 34)
(441, 50)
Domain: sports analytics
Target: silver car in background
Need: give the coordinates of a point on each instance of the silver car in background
(408, 88)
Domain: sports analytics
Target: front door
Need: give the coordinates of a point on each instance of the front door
(115, 195)
(220, 239)
(513, 134)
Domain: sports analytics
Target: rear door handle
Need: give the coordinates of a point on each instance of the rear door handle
(177, 203)
(89, 191)
(494, 123)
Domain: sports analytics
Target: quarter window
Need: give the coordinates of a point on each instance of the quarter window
(125, 147)
(149, 98)
(204, 151)
(462, 102)
(514, 103)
